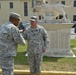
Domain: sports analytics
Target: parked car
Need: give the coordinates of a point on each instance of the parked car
(74, 26)
(23, 25)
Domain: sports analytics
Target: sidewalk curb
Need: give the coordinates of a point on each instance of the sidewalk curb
(27, 72)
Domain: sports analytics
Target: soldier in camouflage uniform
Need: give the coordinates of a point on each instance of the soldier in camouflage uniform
(10, 37)
(37, 44)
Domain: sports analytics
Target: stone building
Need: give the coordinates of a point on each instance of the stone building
(24, 8)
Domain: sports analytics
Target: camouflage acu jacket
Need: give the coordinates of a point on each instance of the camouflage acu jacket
(9, 39)
(37, 39)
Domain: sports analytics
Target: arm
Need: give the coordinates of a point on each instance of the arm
(69, 5)
(25, 34)
(46, 40)
(18, 38)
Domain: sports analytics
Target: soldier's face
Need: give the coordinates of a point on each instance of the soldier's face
(33, 24)
(16, 22)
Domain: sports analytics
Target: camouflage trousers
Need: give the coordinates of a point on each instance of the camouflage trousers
(35, 61)
(7, 64)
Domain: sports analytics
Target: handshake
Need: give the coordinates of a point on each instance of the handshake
(21, 27)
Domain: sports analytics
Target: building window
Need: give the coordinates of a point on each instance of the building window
(11, 4)
(39, 17)
(25, 9)
(32, 3)
(74, 17)
(63, 2)
(74, 3)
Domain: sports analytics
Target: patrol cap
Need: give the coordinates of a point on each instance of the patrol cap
(15, 15)
(33, 18)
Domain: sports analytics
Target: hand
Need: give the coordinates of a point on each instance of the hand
(44, 49)
(23, 30)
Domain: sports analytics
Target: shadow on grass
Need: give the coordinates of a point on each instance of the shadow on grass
(50, 59)
(21, 59)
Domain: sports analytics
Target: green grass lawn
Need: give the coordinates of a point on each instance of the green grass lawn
(49, 63)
